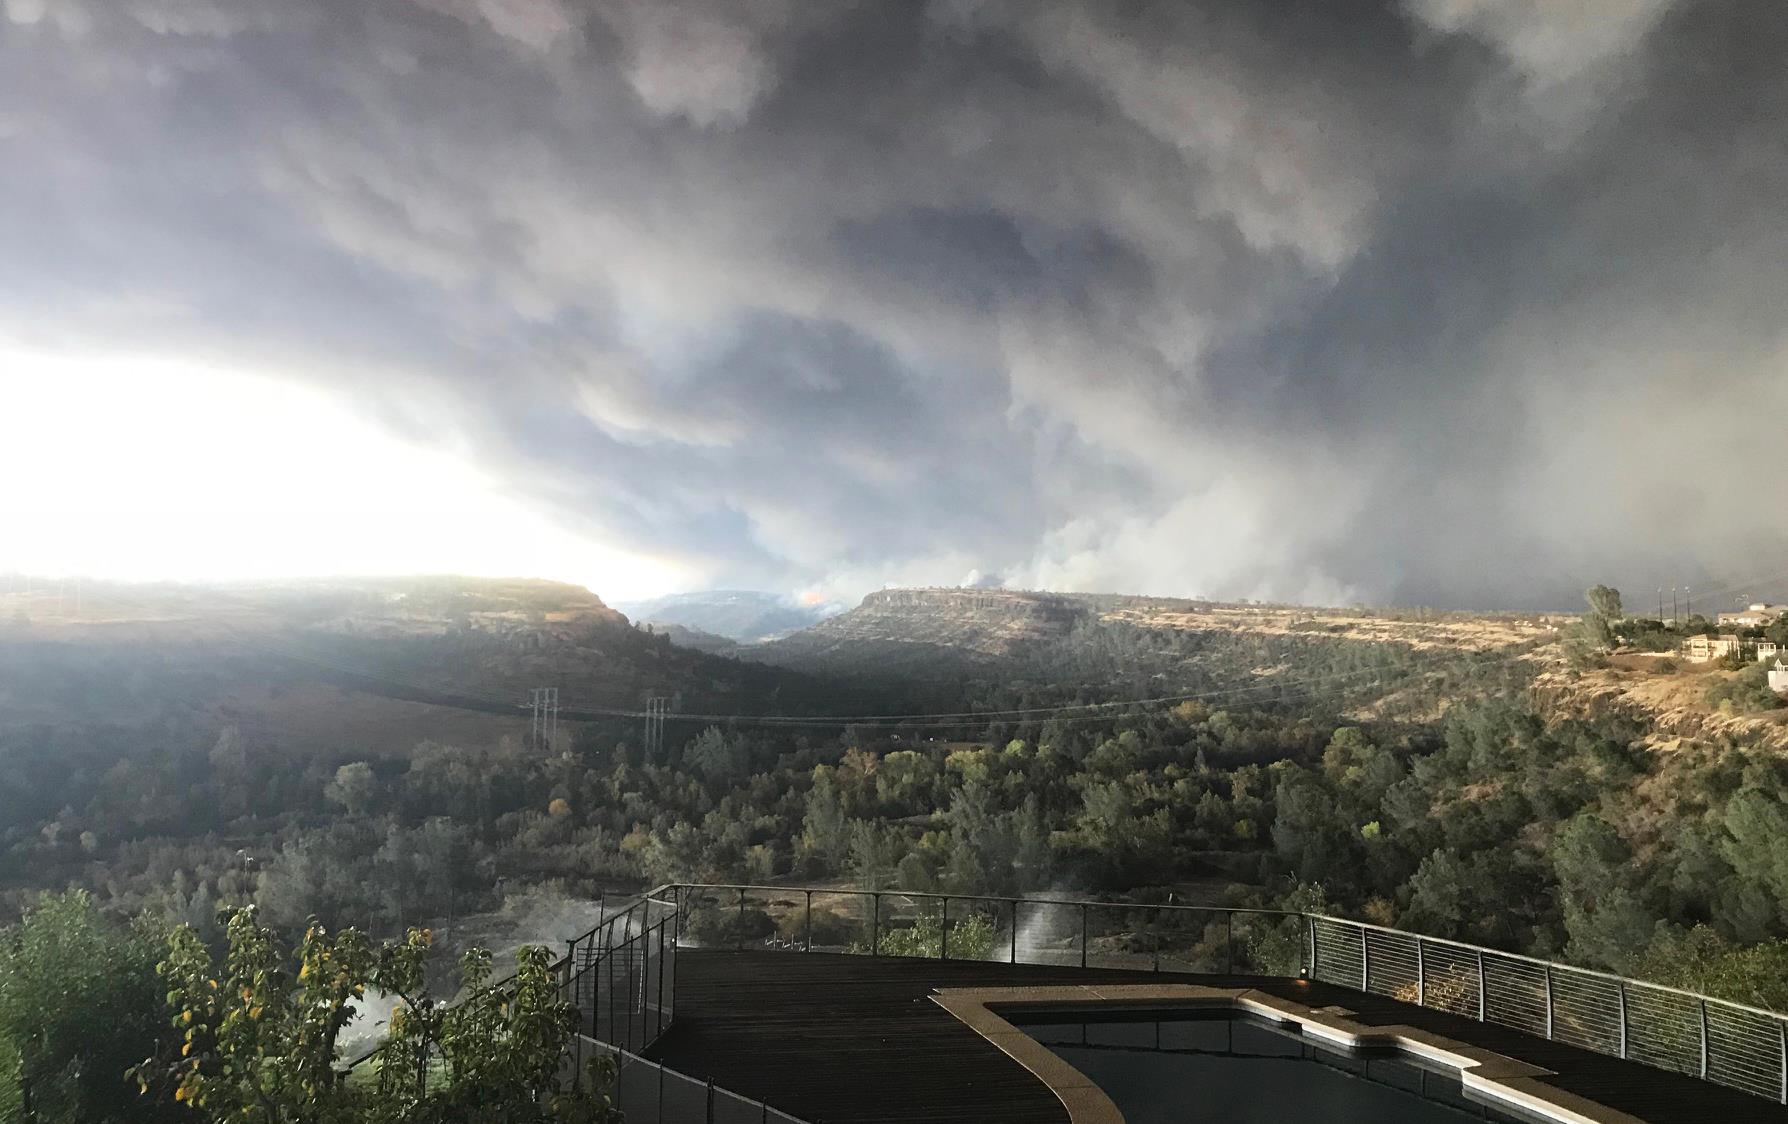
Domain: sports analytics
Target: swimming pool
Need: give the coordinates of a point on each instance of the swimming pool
(1226, 1066)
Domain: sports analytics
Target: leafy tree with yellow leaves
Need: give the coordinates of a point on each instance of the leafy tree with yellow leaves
(258, 1041)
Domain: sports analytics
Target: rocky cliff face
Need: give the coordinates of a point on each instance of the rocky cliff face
(1670, 707)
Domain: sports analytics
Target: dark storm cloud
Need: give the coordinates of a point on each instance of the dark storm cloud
(1451, 300)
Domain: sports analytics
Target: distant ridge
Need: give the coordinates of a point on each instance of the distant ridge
(742, 616)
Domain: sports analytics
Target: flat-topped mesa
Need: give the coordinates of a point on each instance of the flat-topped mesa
(992, 621)
(961, 617)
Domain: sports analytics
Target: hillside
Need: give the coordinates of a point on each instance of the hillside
(381, 663)
(997, 622)
(1669, 698)
(897, 623)
(974, 648)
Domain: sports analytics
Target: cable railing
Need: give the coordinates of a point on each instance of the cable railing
(1730, 1044)
(621, 976)
(648, 1092)
(1019, 930)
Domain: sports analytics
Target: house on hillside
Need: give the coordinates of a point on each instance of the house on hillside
(1754, 616)
(1768, 650)
(1778, 678)
(1700, 649)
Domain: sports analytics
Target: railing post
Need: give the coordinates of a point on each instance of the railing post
(1703, 1006)
(739, 931)
(943, 931)
(807, 926)
(1155, 929)
(1366, 960)
(1548, 1000)
(570, 984)
(1480, 985)
(1083, 934)
(875, 926)
(1229, 943)
(710, 1100)
(1621, 992)
(1312, 959)
(1782, 1042)
(1013, 959)
(1421, 974)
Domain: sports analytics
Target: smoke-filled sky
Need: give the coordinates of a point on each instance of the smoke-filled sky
(1457, 302)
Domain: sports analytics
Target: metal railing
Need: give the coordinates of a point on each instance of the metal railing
(648, 1092)
(1730, 1044)
(1165, 937)
(621, 975)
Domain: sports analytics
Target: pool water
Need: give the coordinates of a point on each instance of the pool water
(1230, 1067)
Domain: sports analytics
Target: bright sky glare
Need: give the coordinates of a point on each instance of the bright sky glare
(143, 469)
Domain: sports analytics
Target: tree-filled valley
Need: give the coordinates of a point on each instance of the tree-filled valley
(363, 765)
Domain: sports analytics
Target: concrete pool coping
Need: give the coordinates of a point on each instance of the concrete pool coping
(1492, 1075)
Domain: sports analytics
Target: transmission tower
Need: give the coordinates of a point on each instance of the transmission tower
(544, 702)
(656, 705)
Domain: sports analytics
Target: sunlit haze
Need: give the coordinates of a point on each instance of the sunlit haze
(149, 469)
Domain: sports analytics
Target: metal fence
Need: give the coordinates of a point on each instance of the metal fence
(1744, 1048)
(621, 976)
(649, 1093)
(1149, 936)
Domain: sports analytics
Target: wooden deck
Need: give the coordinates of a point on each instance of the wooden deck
(855, 1040)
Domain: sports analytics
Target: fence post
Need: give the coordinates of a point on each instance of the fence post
(1013, 959)
(1311, 920)
(1155, 927)
(1703, 1006)
(1480, 985)
(1421, 974)
(660, 1094)
(1548, 1000)
(1366, 960)
(1229, 943)
(943, 931)
(710, 1100)
(1083, 934)
(739, 933)
(807, 927)
(1621, 992)
(875, 926)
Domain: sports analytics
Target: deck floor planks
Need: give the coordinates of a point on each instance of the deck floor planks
(855, 1040)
